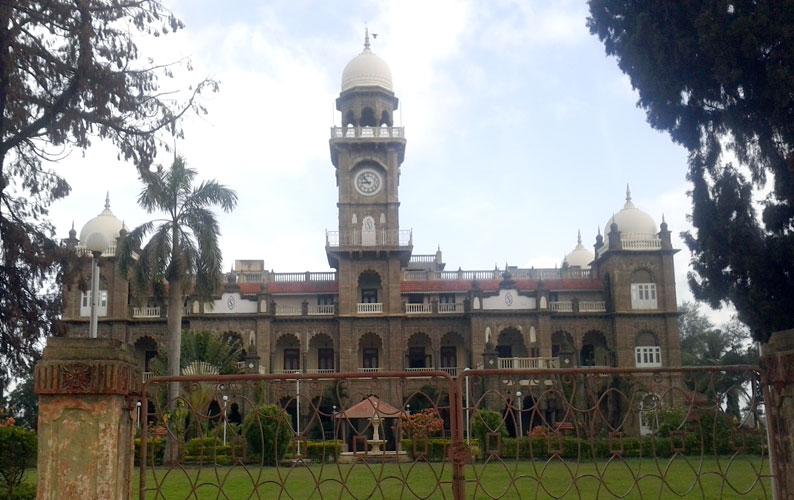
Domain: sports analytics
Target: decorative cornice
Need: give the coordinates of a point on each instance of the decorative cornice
(87, 377)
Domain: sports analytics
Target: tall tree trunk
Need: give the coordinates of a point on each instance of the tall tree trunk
(174, 354)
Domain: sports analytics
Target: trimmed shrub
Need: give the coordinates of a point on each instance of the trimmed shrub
(484, 422)
(17, 452)
(155, 447)
(323, 451)
(268, 432)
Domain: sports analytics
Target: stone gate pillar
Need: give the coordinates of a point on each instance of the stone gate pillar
(87, 390)
(777, 371)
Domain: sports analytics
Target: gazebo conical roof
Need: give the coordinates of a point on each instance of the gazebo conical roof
(368, 408)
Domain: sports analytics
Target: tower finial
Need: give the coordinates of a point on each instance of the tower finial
(366, 37)
(107, 200)
(579, 236)
(663, 218)
(628, 193)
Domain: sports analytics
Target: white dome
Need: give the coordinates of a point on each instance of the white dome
(105, 223)
(366, 70)
(580, 256)
(632, 220)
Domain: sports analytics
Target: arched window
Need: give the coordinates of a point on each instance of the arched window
(385, 119)
(643, 290)
(647, 352)
(368, 118)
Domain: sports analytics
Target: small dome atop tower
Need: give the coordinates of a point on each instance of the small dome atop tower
(366, 70)
(105, 223)
(632, 220)
(579, 256)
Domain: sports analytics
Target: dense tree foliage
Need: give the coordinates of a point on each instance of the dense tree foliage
(222, 352)
(70, 74)
(182, 255)
(718, 76)
(703, 344)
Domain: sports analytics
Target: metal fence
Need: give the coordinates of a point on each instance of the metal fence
(493, 434)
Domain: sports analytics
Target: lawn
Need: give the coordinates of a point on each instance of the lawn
(630, 479)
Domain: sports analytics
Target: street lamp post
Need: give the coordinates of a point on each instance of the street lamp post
(520, 425)
(225, 400)
(138, 404)
(96, 243)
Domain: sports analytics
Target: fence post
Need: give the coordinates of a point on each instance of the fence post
(87, 393)
(777, 371)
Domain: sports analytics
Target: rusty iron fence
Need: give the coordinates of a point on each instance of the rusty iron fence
(492, 434)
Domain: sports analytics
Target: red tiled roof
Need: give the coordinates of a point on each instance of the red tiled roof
(367, 409)
(493, 285)
(249, 288)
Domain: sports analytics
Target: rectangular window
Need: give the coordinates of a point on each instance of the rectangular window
(102, 306)
(643, 296)
(648, 356)
(416, 298)
(325, 300)
(449, 356)
(370, 355)
(447, 298)
(416, 357)
(292, 360)
(369, 295)
(325, 358)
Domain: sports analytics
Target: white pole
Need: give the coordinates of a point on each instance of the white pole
(94, 294)
(520, 425)
(139, 414)
(298, 413)
(225, 399)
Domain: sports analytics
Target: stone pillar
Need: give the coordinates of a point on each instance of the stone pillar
(87, 393)
(777, 371)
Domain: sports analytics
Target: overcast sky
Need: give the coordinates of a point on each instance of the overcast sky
(520, 130)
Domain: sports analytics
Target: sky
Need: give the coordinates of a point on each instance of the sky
(520, 130)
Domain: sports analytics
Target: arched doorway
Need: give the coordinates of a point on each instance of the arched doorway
(420, 352)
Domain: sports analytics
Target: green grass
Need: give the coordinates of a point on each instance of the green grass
(630, 479)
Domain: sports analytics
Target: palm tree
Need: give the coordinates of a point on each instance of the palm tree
(182, 253)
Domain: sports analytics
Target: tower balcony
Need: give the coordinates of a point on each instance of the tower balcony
(383, 132)
(378, 242)
(378, 238)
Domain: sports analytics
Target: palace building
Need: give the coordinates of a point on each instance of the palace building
(384, 308)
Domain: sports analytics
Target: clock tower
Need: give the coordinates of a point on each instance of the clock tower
(367, 151)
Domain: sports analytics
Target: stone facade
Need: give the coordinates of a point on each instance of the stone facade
(384, 308)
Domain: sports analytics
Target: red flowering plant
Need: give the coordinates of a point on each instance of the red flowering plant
(425, 423)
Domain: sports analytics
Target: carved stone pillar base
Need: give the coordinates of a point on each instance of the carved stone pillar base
(87, 390)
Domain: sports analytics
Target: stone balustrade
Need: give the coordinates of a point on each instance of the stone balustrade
(369, 308)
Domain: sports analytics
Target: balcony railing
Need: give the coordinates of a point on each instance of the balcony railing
(271, 277)
(284, 310)
(358, 132)
(423, 259)
(382, 237)
(418, 308)
(635, 241)
(323, 310)
(145, 312)
(592, 306)
(450, 307)
(496, 274)
(561, 306)
(110, 252)
(321, 370)
(370, 370)
(147, 375)
(524, 363)
(286, 372)
(369, 308)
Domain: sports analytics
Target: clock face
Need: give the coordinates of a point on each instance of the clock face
(368, 182)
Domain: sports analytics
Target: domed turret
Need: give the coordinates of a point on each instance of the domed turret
(580, 256)
(631, 221)
(366, 70)
(105, 223)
